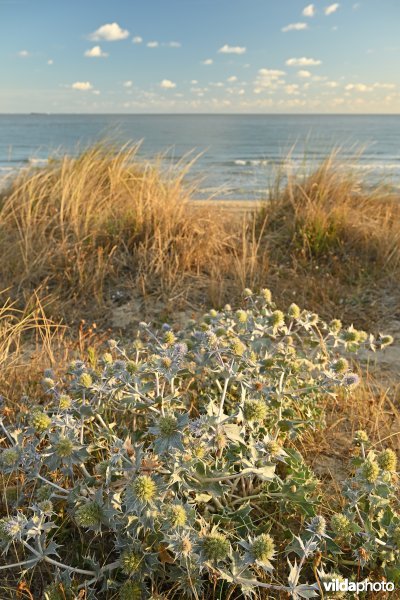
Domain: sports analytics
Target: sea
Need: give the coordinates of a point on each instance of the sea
(235, 156)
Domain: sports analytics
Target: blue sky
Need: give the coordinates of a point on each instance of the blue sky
(261, 56)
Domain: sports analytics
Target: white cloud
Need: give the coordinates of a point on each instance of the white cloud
(358, 87)
(137, 39)
(332, 8)
(152, 44)
(96, 92)
(303, 62)
(167, 84)
(50, 61)
(194, 82)
(268, 78)
(226, 49)
(174, 45)
(331, 84)
(309, 10)
(128, 84)
(303, 73)
(110, 32)
(294, 27)
(385, 86)
(208, 61)
(232, 79)
(96, 52)
(363, 87)
(292, 89)
(23, 54)
(82, 86)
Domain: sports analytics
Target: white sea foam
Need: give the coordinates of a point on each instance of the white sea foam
(38, 162)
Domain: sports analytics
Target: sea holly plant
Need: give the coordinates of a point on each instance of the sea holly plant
(170, 464)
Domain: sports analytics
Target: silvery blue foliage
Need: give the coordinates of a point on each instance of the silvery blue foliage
(168, 462)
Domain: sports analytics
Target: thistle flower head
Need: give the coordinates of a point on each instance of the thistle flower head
(294, 311)
(313, 319)
(131, 590)
(254, 410)
(166, 362)
(360, 437)
(9, 457)
(273, 448)
(263, 548)
(46, 506)
(11, 528)
(132, 367)
(169, 338)
(48, 382)
(64, 447)
(340, 524)
(86, 380)
(247, 292)
(370, 470)
(242, 316)
(340, 366)
(351, 335)
(64, 402)
(168, 425)
(89, 515)
(351, 380)
(107, 358)
(335, 325)
(143, 488)
(387, 460)
(131, 561)
(277, 319)
(210, 339)
(180, 350)
(266, 294)
(215, 546)
(318, 525)
(40, 421)
(238, 348)
(176, 515)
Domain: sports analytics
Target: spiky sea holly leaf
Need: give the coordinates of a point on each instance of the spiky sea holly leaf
(303, 591)
(234, 433)
(266, 473)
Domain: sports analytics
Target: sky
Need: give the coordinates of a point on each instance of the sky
(199, 56)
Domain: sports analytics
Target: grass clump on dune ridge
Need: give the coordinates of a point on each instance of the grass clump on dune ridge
(80, 224)
(80, 227)
(339, 235)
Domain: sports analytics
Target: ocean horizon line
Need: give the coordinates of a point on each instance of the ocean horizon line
(197, 114)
